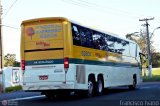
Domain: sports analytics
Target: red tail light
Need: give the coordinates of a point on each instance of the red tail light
(66, 62)
(23, 64)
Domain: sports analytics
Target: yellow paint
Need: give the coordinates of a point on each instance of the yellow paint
(41, 55)
(94, 54)
(44, 33)
(61, 37)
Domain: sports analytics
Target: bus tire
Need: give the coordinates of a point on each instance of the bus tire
(49, 96)
(133, 86)
(91, 87)
(63, 95)
(100, 86)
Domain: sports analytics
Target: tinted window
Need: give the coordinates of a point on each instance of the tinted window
(122, 46)
(76, 35)
(86, 39)
(102, 41)
(110, 43)
(125, 46)
(93, 39)
(81, 36)
(132, 49)
(96, 37)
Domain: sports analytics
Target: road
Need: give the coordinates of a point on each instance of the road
(147, 94)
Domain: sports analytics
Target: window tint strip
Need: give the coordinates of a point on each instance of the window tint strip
(35, 50)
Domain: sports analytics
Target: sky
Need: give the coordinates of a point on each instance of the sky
(120, 17)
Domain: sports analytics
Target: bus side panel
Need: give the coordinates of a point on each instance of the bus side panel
(113, 76)
(117, 70)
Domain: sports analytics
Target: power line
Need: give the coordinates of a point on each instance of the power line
(75, 3)
(9, 8)
(10, 27)
(88, 2)
(103, 8)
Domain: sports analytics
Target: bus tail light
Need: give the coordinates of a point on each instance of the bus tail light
(66, 63)
(23, 64)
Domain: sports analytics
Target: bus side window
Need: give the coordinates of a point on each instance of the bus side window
(132, 48)
(103, 42)
(125, 46)
(76, 36)
(96, 42)
(86, 39)
(122, 47)
(118, 46)
(110, 43)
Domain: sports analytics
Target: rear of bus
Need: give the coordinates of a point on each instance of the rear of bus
(44, 54)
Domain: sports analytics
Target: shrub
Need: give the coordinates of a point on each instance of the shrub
(15, 88)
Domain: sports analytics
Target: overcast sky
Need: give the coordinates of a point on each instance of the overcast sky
(116, 16)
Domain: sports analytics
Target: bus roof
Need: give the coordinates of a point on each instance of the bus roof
(45, 19)
(72, 21)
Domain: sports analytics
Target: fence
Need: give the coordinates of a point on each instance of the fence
(10, 76)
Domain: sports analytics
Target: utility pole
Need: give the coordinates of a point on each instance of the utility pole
(1, 57)
(1, 72)
(148, 45)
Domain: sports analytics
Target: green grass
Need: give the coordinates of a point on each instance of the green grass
(155, 75)
(1, 87)
(15, 88)
(154, 78)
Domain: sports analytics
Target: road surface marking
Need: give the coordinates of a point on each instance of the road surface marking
(25, 98)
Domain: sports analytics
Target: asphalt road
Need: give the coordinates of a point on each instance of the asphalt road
(147, 94)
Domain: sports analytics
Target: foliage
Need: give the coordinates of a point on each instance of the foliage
(10, 60)
(16, 64)
(141, 41)
(155, 59)
(15, 88)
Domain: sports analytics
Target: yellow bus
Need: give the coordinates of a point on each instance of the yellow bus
(60, 56)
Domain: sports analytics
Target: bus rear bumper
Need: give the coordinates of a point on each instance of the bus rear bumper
(52, 86)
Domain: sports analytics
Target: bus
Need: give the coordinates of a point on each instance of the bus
(59, 56)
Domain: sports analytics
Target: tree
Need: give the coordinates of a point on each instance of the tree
(10, 60)
(141, 41)
(156, 59)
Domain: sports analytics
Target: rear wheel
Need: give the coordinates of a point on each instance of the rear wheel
(100, 86)
(63, 94)
(49, 95)
(91, 87)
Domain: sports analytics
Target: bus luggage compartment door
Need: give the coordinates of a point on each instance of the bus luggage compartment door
(43, 68)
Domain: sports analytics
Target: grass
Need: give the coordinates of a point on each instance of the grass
(155, 75)
(15, 88)
(1, 87)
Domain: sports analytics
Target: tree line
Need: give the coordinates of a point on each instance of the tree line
(10, 60)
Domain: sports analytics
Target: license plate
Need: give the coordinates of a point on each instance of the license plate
(43, 77)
